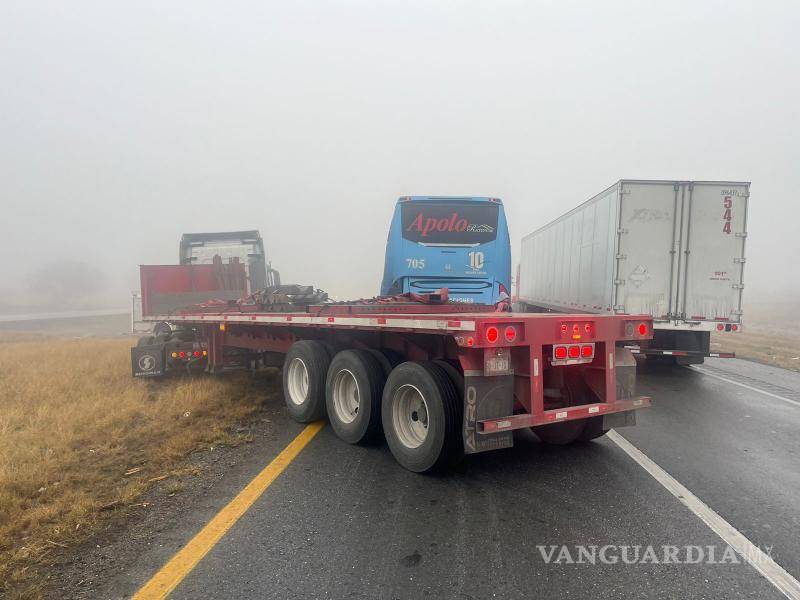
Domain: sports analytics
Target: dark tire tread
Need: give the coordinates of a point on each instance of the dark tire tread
(317, 360)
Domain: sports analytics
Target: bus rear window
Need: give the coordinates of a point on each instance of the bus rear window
(466, 223)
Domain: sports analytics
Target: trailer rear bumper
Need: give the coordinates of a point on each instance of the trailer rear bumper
(689, 353)
(548, 417)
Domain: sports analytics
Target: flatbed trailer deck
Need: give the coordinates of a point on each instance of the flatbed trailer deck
(437, 380)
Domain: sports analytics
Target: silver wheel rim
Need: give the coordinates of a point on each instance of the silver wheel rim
(346, 396)
(297, 379)
(410, 416)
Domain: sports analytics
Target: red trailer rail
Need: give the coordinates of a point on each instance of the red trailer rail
(437, 380)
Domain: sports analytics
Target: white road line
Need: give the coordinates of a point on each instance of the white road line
(744, 385)
(761, 561)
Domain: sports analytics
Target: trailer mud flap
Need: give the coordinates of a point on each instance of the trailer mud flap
(147, 361)
(487, 398)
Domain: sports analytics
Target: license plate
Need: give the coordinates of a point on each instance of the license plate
(497, 361)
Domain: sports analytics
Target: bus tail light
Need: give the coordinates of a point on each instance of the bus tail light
(510, 333)
(492, 334)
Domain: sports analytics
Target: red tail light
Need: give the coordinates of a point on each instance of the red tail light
(720, 327)
(560, 352)
(511, 334)
(197, 353)
(575, 351)
(182, 354)
(470, 342)
(492, 334)
(734, 327)
(642, 328)
(587, 351)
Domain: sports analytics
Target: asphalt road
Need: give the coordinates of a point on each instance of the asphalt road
(348, 522)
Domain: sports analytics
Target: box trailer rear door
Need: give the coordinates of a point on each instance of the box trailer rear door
(712, 253)
(646, 248)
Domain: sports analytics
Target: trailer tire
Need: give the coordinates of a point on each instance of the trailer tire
(593, 429)
(353, 392)
(561, 434)
(330, 348)
(304, 372)
(388, 359)
(162, 327)
(455, 375)
(422, 415)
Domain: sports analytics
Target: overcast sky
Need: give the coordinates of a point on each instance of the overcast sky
(123, 125)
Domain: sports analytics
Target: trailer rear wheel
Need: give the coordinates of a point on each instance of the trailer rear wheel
(388, 359)
(304, 373)
(561, 434)
(455, 375)
(421, 416)
(353, 395)
(593, 429)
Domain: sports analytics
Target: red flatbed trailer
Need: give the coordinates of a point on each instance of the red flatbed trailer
(438, 380)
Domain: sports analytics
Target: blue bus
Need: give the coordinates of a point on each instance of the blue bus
(449, 242)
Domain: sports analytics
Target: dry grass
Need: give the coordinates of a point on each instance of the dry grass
(768, 334)
(73, 422)
(767, 348)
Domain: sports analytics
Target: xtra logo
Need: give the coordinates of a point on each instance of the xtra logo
(454, 223)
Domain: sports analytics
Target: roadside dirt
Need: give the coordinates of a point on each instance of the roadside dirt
(141, 537)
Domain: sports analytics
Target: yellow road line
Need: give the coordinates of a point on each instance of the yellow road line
(180, 565)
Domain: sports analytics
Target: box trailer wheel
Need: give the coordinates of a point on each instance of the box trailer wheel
(421, 416)
(353, 394)
(304, 374)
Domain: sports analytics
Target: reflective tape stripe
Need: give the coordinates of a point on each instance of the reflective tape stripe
(379, 322)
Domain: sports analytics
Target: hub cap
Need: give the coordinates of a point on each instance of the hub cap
(297, 379)
(346, 397)
(410, 416)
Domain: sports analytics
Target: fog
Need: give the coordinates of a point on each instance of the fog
(123, 125)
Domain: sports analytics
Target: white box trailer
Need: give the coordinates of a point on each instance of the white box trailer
(670, 249)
